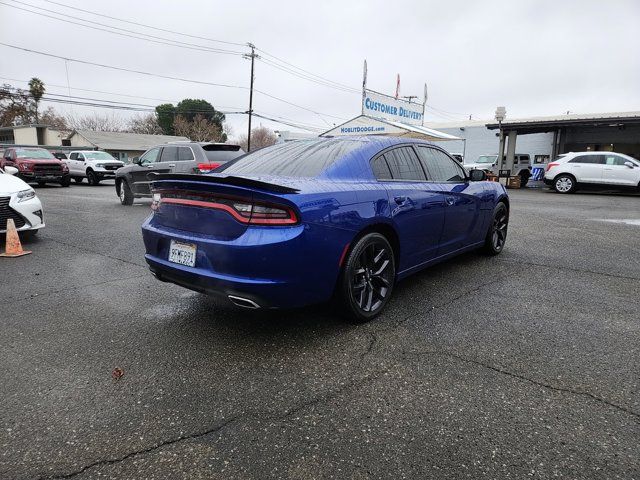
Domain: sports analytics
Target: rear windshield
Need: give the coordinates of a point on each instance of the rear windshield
(303, 158)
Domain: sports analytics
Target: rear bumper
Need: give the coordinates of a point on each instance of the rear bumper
(272, 267)
(548, 181)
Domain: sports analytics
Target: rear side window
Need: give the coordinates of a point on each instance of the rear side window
(404, 164)
(305, 158)
(381, 169)
(184, 154)
(169, 154)
(593, 159)
(441, 168)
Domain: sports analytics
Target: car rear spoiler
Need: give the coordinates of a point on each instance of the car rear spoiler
(228, 180)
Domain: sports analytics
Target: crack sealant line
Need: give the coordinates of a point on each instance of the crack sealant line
(325, 397)
(89, 285)
(526, 379)
(572, 269)
(96, 253)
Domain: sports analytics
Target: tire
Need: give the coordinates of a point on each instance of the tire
(78, 179)
(524, 179)
(367, 278)
(125, 194)
(92, 178)
(65, 182)
(564, 184)
(497, 234)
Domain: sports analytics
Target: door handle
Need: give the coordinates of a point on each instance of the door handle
(449, 200)
(172, 164)
(400, 200)
(150, 165)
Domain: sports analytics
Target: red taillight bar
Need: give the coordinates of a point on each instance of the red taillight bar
(284, 215)
(207, 167)
(551, 165)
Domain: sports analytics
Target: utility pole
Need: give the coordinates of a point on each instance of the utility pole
(253, 57)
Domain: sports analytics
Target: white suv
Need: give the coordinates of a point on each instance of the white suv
(567, 172)
(92, 164)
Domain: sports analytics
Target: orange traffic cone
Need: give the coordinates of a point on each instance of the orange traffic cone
(14, 247)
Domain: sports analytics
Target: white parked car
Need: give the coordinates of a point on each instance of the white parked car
(567, 172)
(19, 202)
(489, 163)
(92, 164)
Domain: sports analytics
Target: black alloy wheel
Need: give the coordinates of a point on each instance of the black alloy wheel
(497, 234)
(368, 277)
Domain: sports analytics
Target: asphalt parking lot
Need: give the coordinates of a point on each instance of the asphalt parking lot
(524, 365)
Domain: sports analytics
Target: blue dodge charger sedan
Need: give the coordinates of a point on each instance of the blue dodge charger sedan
(303, 222)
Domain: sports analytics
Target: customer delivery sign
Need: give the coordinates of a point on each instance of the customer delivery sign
(378, 105)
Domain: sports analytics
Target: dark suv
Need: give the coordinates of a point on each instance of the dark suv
(177, 157)
(36, 165)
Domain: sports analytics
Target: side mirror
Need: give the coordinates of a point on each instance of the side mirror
(629, 164)
(477, 175)
(10, 170)
(136, 160)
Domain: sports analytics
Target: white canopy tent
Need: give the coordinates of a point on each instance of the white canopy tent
(365, 125)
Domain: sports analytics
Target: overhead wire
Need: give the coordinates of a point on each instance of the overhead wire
(97, 26)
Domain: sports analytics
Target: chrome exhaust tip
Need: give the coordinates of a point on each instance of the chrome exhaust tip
(243, 302)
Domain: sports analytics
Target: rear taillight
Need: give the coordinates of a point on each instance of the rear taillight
(243, 210)
(207, 167)
(551, 165)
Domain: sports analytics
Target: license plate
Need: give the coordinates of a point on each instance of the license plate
(182, 253)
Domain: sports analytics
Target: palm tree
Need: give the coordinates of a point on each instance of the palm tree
(36, 89)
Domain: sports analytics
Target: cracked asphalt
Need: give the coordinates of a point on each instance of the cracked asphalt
(523, 365)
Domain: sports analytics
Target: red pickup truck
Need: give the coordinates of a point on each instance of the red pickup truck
(36, 165)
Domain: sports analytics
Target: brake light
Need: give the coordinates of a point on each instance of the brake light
(551, 165)
(207, 167)
(243, 210)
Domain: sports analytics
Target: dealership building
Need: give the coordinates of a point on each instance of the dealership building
(544, 138)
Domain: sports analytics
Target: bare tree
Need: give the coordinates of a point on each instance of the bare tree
(54, 120)
(260, 137)
(145, 124)
(97, 122)
(198, 130)
(15, 106)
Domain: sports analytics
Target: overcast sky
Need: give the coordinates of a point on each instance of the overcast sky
(534, 57)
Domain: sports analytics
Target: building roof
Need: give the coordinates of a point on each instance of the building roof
(365, 125)
(587, 119)
(125, 141)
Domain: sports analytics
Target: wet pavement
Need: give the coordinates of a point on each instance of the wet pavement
(524, 365)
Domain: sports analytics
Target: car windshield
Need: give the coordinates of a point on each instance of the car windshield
(303, 158)
(33, 153)
(486, 158)
(98, 156)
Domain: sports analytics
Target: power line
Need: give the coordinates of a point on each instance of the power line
(119, 94)
(122, 69)
(97, 26)
(276, 59)
(201, 82)
(290, 124)
(309, 78)
(305, 71)
(146, 26)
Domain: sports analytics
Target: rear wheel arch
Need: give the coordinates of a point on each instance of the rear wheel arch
(383, 229)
